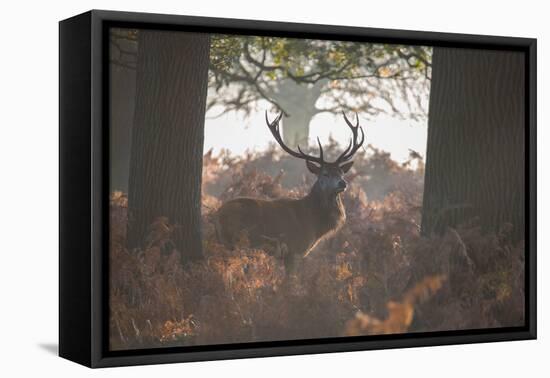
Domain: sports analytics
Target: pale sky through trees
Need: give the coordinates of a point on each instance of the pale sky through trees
(312, 80)
(238, 133)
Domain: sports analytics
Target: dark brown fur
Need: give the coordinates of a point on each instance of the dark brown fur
(295, 225)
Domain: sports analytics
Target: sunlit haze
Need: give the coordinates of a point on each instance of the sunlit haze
(238, 133)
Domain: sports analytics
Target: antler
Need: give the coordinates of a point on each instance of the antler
(353, 146)
(275, 130)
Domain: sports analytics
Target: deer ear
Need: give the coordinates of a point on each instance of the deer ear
(345, 167)
(313, 168)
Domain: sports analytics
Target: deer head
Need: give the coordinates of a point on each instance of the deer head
(330, 175)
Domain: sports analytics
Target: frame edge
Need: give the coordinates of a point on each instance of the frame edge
(74, 189)
(97, 356)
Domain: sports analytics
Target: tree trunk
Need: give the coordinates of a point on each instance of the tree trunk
(167, 138)
(298, 101)
(123, 91)
(475, 154)
(296, 127)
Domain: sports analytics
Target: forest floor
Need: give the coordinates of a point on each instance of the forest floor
(377, 275)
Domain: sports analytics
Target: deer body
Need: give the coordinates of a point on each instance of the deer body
(282, 221)
(295, 225)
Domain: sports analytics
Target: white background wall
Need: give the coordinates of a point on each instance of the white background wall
(29, 186)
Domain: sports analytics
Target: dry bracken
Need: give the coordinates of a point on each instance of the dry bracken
(377, 275)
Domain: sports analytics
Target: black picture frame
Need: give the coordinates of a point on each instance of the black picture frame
(83, 196)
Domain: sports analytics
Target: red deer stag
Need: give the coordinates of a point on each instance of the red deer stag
(296, 224)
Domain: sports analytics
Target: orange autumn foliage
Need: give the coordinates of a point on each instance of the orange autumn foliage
(376, 275)
(400, 314)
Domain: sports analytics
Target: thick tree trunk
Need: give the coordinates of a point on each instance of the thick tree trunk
(167, 139)
(123, 91)
(296, 127)
(298, 101)
(475, 155)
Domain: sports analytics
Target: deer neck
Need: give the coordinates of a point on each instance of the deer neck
(328, 209)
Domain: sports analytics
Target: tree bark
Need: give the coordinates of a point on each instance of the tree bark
(123, 91)
(167, 138)
(475, 154)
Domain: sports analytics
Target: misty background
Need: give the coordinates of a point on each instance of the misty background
(238, 134)
(311, 81)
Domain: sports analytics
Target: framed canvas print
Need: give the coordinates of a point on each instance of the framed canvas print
(233, 188)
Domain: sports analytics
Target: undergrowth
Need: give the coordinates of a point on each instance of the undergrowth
(377, 275)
